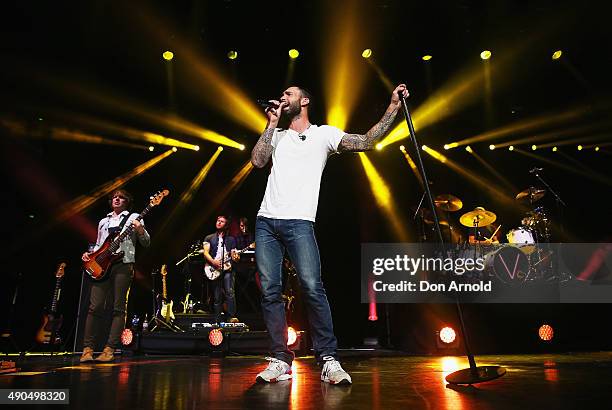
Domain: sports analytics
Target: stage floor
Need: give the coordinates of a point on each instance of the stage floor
(390, 381)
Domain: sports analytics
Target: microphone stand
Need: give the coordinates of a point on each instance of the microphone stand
(474, 374)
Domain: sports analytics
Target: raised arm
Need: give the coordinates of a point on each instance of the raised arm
(262, 151)
(365, 142)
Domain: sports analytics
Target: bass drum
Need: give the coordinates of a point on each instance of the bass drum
(523, 238)
(508, 264)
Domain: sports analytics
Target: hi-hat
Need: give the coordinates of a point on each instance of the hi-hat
(531, 194)
(478, 217)
(448, 202)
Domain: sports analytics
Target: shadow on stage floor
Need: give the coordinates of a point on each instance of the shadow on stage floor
(386, 381)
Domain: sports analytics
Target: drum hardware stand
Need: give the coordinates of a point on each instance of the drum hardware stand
(560, 204)
(474, 374)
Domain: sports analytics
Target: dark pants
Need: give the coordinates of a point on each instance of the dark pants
(273, 236)
(224, 284)
(116, 288)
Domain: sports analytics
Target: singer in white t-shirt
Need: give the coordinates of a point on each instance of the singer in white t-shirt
(285, 221)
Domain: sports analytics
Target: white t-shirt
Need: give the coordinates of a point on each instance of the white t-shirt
(293, 185)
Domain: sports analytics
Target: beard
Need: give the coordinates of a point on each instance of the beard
(293, 109)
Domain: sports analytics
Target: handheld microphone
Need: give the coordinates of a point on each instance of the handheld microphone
(535, 170)
(302, 137)
(266, 104)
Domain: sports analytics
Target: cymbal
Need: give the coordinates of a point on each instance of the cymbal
(448, 202)
(530, 194)
(479, 214)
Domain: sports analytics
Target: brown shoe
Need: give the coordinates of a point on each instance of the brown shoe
(87, 355)
(106, 355)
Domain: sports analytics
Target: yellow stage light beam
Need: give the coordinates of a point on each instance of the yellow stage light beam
(188, 194)
(203, 78)
(552, 134)
(591, 175)
(293, 53)
(103, 99)
(464, 88)
(525, 125)
(577, 163)
(413, 167)
(20, 129)
(494, 171)
(382, 195)
(590, 138)
(342, 72)
(381, 75)
(557, 54)
(426, 57)
(168, 55)
(216, 202)
(81, 203)
(471, 176)
(485, 55)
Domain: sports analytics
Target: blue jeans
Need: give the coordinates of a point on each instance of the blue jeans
(272, 238)
(224, 284)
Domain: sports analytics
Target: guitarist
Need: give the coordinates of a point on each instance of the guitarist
(117, 283)
(219, 245)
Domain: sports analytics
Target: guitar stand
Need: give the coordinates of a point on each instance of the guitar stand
(157, 322)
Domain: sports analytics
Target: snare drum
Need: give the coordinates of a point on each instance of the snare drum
(522, 238)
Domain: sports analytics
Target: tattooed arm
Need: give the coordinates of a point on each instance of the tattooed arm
(262, 151)
(365, 142)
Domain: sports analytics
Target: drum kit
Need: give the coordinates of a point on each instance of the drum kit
(524, 243)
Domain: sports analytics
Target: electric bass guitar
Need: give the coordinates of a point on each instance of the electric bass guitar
(51, 323)
(166, 310)
(213, 273)
(99, 261)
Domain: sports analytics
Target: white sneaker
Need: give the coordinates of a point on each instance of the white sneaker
(276, 371)
(333, 373)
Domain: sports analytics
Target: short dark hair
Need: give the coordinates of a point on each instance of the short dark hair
(305, 94)
(128, 197)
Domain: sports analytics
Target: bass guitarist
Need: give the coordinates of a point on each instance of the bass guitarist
(218, 247)
(118, 280)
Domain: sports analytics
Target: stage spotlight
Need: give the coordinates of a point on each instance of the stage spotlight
(534, 147)
(232, 54)
(557, 55)
(196, 148)
(151, 148)
(379, 146)
(293, 53)
(220, 148)
(446, 338)
(402, 148)
(127, 337)
(446, 146)
(447, 335)
(579, 147)
(485, 55)
(468, 149)
(424, 147)
(168, 55)
(215, 337)
(292, 336)
(554, 149)
(426, 57)
(546, 333)
(596, 148)
(511, 148)
(492, 147)
(367, 53)
(174, 149)
(241, 147)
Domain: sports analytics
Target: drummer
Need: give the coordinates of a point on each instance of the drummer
(484, 235)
